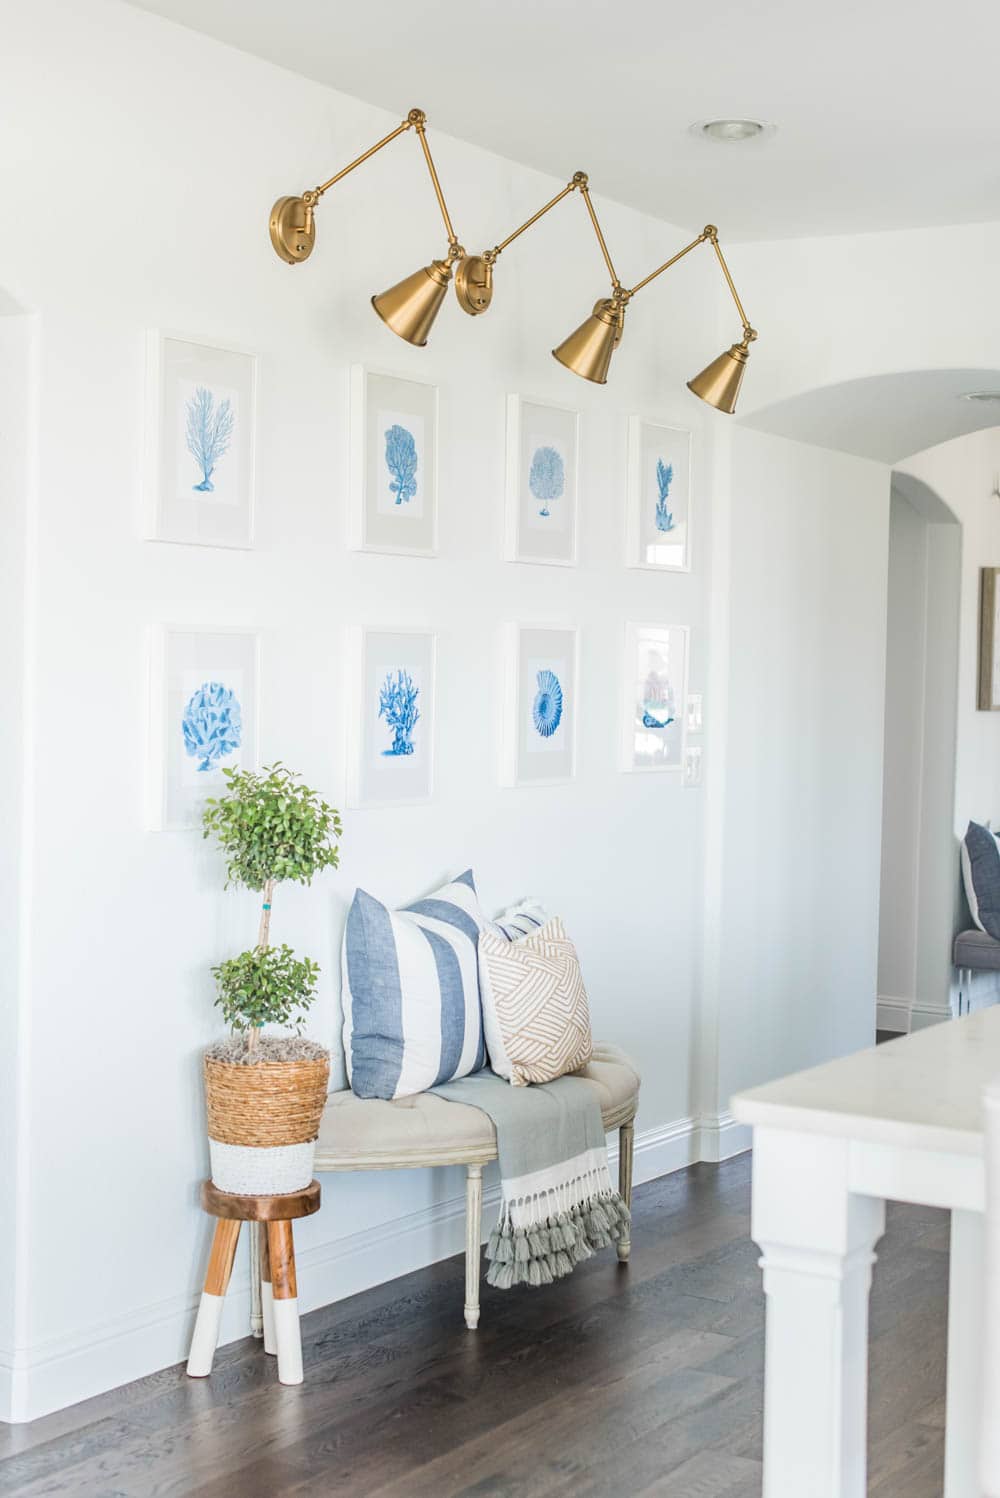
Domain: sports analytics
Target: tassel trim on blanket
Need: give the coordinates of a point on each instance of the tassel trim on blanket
(561, 1228)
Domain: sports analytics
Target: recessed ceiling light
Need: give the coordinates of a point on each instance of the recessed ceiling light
(981, 395)
(728, 131)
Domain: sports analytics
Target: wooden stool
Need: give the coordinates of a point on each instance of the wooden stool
(274, 1216)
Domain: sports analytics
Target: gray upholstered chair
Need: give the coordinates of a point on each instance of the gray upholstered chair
(974, 951)
(413, 1133)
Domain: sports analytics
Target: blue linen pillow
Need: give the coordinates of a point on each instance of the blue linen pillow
(412, 1016)
(981, 876)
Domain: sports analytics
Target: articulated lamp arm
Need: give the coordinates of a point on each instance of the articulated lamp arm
(474, 276)
(293, 227)
(710, 235)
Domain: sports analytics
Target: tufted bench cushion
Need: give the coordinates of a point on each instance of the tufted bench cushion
(368, 1134)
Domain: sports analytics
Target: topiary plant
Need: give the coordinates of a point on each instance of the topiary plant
(269, 827)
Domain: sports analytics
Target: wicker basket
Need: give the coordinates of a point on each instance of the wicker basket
(263, 1121)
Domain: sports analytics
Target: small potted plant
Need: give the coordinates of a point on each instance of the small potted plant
(265, 1093)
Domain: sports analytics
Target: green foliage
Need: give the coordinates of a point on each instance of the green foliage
(265, 986)
(271, 826)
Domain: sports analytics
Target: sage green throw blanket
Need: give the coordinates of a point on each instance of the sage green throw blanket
(558, 1203)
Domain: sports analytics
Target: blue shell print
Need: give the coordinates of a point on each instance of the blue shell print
(212, 724)
(547, 708)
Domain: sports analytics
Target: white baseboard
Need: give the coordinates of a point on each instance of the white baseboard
(922, 1015)
(65, 1370)
(722, 1137)
(893, 1014)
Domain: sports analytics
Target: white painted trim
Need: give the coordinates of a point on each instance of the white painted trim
(922, 1015)
(64, 1370)
(893, 1014)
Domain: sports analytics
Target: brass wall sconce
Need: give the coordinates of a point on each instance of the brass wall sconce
(410, 307)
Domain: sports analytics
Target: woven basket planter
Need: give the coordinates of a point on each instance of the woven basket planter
(263, 1121)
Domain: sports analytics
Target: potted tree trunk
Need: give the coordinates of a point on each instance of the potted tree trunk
(265, 1093)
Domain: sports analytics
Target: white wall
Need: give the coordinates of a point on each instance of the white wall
(803, 768)
(17, 370)
(964, 475)
(919, 854)
(168, 150)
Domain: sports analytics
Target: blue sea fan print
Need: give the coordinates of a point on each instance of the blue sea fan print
(212, 724)
(547, 708)
(209, 433)
(397, 704)
(664, 478)
(546, 477)
(401, 461)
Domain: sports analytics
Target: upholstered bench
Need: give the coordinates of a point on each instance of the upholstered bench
(413, 1133)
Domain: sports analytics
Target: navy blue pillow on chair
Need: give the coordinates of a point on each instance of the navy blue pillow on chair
(981, 876)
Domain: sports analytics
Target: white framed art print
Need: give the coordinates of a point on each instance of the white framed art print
(654, 696)
(542, 466)
(204, 707)
(391, 752)
(200, 437)
(539, 711)
(394, 442)
(658, 511)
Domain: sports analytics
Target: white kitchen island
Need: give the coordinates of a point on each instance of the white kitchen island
(899, 1122)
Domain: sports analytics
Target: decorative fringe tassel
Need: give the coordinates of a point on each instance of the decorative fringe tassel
(553, 1247)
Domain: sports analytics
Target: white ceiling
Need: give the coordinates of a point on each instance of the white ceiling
(886, 109)
(886, 417)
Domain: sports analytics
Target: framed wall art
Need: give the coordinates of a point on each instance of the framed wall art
(658, 510)
(653, 703)
(538, 741)
(542, 464)
(988, 697)
(204, 696)
(391, 750)
(200, 436)
(394, 442)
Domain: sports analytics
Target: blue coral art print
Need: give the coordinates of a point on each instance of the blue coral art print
(546, 477)
(547, 708)
(212, 724)
(209, 432)
(401, 461)
(664, 478)
(397, 704)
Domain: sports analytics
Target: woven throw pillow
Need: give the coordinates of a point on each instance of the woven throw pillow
(981, 877)
(412, 1016)
(535, 1010)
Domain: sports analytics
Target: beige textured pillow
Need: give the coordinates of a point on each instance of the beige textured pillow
(535, 1014)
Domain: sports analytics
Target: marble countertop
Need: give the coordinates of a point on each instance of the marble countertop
(923, 1091)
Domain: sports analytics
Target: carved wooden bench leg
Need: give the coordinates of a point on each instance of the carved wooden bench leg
(626, 1140)
(206, 1328)
(266, 1291)
(285, 1304)
(473, 1242)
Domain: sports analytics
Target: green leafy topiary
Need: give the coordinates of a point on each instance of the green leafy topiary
(265, 986)
(271, 827)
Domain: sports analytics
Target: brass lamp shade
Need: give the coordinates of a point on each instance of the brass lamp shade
(410, 307)
(587, 351)
(720, 383)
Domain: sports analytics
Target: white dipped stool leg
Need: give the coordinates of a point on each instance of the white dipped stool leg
(285, 1303)
(266, 1292)
(206, 1327)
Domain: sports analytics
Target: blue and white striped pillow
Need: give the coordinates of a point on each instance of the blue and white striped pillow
(412, 1016)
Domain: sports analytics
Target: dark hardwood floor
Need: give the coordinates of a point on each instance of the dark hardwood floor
(617, 1382)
